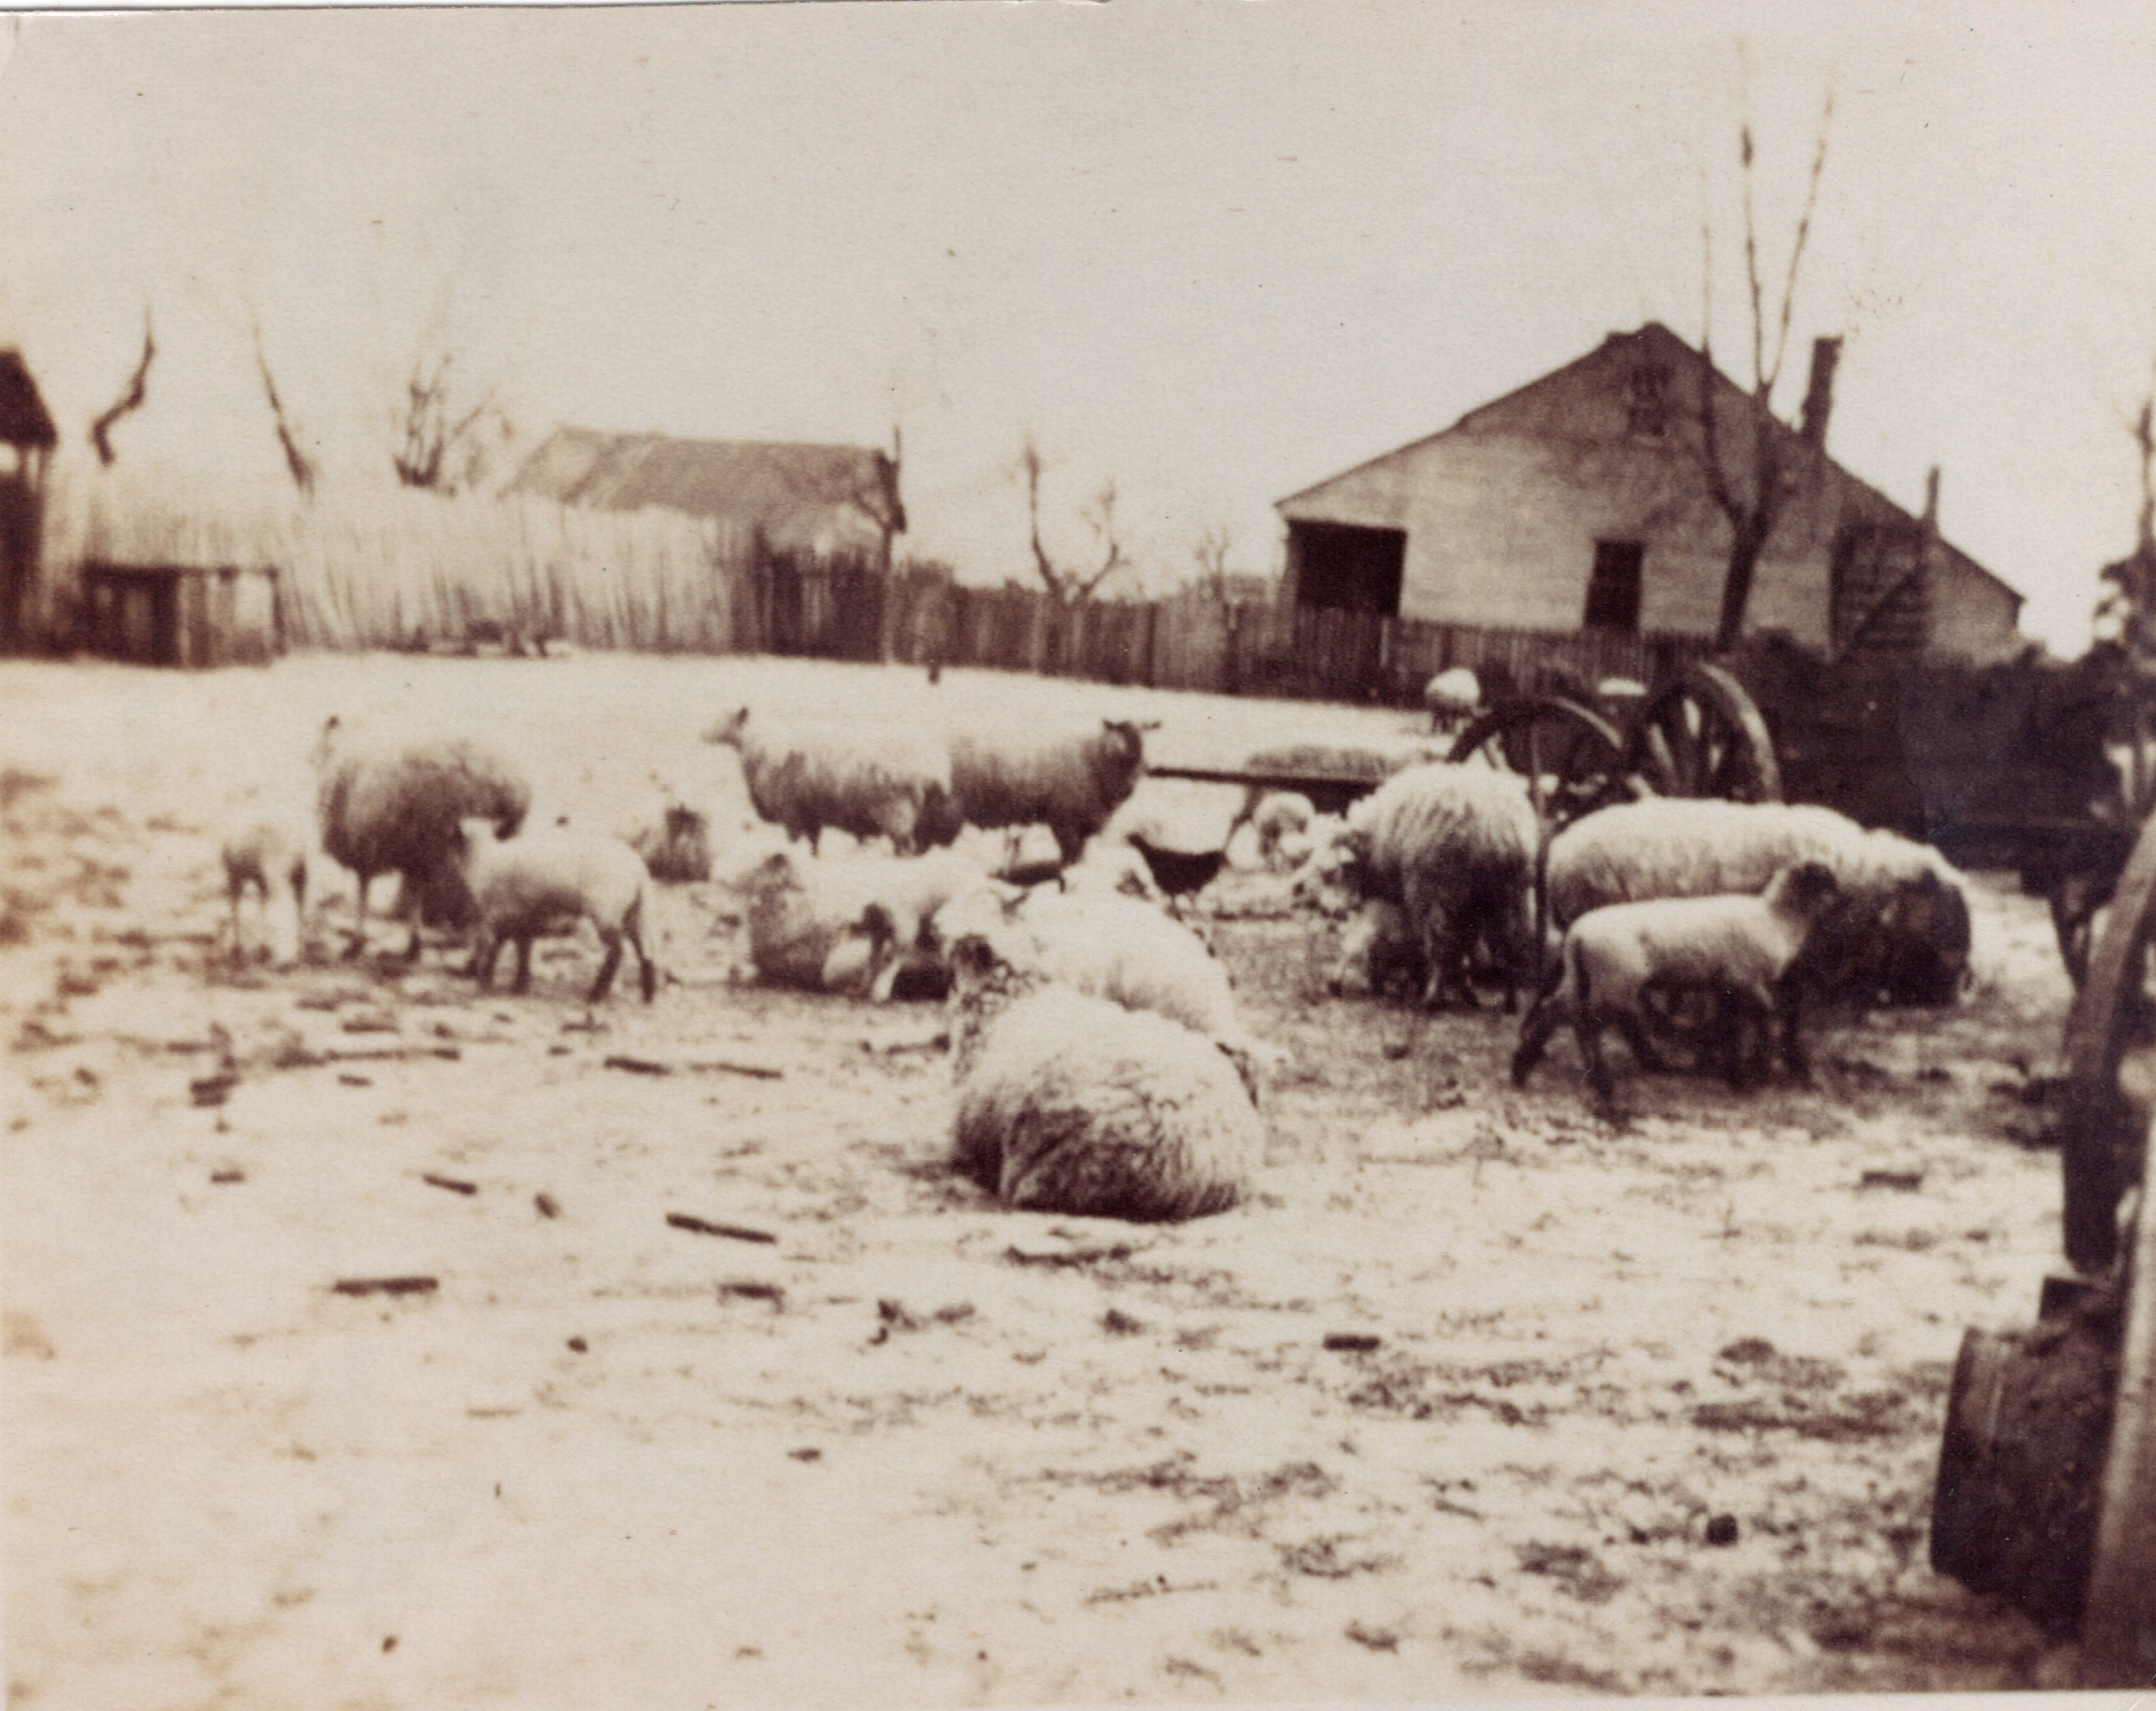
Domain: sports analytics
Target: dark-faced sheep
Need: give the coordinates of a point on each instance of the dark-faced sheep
(871, 779)
(1073, 1104)
(1071, 783)
(527, 885)
(1738, 948)
(391, 805)
(1901, 927)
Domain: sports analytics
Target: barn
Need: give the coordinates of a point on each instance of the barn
(1580, 503)
(823, 500)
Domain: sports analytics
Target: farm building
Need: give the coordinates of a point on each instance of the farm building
(1580, 503)
(27, 432)
(824, 500)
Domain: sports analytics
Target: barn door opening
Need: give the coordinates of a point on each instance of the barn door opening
(1613, 589)
(1345, 567)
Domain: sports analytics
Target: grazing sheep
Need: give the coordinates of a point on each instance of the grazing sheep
(1454, 847)
(522, 887)
(1901, 927)
(1738, 947)
(1070, 783)
(852, 925)
(1073, 1104)
(871, 779)
(393, 805)
(271, 856)
(1379, 954)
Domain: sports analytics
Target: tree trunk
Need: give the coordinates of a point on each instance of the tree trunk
(1745, 546)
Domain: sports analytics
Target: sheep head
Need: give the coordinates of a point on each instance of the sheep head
(729, 730)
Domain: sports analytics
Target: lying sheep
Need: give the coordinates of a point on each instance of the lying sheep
(676, 848)
(1454, 846)
(1111, 869)
(271, 858)
(1071, 783)
(1072, 1104)
(1281, 818)
(1739, 948)
(870, 779)
(524, 886)
(1121, 949)
(393, 805)
(1901, 927)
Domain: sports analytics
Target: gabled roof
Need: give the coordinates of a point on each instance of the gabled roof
(1664, 346)
(792, 491)
(24, 420)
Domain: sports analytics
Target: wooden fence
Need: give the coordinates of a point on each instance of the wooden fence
(406, 569)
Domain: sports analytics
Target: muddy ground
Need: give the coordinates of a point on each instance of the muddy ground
(1481, 1395)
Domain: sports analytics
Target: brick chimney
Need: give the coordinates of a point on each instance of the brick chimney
(1819, 395)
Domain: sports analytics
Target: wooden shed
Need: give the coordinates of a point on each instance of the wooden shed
(29, 436)
(182, 615)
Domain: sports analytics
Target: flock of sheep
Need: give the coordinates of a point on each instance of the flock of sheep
(1101, 1065)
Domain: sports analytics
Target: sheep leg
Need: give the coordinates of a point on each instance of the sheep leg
(604, 983)
(523, 965)
(1788, 1008)
(1642, 1049)
(359, 930)
(1535, 1036)
(1588, 1031)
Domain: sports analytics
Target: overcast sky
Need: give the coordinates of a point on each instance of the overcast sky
(1214, 249)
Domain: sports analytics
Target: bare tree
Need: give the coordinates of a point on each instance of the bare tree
(131, 396)
(296, 461)
(871, 492)
(1210, 551)
(440, 438)
(1755, 466)
(1073, 585)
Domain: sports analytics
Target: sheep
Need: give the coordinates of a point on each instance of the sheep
(872, 780)
(1071, 783)
(1454, 846)
(1118, 949)
(1901, 927)
(1072, 1104)
(1111, 869)
(854, 925)
(1282, 821)
(1740, 947)
(677, 847)
(271, 856)
(525, 885)
(393, 805)
(1379, 954)
(1452, 697)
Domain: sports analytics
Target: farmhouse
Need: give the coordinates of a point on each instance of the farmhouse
(1581, 503)
(824, 500)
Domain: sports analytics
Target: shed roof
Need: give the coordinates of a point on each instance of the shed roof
(24, 420)
(788, 488)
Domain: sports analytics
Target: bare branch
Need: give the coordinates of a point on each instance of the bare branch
(296, 461)
(130, 400)
(1796, 253)
(1752, 259)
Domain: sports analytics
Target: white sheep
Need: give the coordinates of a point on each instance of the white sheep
(1455, 847)
(1109, 868)
(1902, 926)
(1739, 948)
(1452, 697)
(874, 780)
(1071, 1104)
(1282, 821)
(522, 886)
(271, 858)
(391, 805)
(1071, 783)
(851, 925)
(1121, 949)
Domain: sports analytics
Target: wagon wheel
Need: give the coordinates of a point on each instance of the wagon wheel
(1569, 755)
(1701, 735)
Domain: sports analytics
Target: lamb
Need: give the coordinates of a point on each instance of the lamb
(1901, 927)
(872, 780)
(271, 856)
(1072, 1104)
(854, 925)
(1454, 846)
(1281, 821)
(1071, 783)
(1740, 947)
(393, 805)
(522, 886)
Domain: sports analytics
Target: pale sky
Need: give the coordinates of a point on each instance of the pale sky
(1214, 249)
